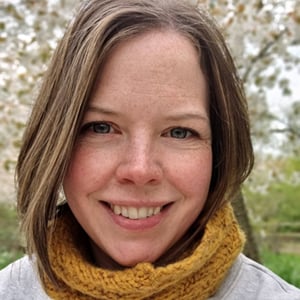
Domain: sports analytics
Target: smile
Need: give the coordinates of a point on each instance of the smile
(135, 213)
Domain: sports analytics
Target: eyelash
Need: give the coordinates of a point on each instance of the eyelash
(188, 132)
(92, 125)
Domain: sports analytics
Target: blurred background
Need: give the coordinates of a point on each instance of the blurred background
(264, 37)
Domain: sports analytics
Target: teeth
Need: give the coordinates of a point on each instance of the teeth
(142, 213)
(156, 210)
(117, 209)
(124, 212)
(132, 213)
(135, 213)
(150, 211)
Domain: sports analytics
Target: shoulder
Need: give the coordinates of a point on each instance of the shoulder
(249, 280)
(20, 280)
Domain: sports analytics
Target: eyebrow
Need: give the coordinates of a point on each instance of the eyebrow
(101, 110)
(176, 117)
(188, 116)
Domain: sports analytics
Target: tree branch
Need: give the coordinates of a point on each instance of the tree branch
(262, 53)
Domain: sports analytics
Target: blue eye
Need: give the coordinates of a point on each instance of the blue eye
(181, 133)
(97, 127)
(101, 128)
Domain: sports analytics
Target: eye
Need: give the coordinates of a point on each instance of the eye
(98, 127)
(101, 127)
(181, 133)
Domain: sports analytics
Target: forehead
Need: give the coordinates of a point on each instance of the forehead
(156, 58)
(156, 45)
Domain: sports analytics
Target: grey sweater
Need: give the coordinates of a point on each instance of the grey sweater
(246, 280)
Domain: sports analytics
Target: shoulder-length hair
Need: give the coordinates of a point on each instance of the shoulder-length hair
(56, 116)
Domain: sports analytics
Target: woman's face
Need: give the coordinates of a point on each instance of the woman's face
(140, 172)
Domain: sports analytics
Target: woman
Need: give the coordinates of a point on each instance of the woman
(141, 123)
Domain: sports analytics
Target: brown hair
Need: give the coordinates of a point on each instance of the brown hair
(56, 116)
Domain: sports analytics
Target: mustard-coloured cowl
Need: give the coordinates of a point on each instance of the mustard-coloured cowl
(196, 276)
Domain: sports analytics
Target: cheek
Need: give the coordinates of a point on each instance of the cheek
(83, 172)
(193, 175)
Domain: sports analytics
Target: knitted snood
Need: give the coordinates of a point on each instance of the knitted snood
(197, 276)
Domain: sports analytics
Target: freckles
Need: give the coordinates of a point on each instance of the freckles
(90, 166)
(78, 166)
(195, 173)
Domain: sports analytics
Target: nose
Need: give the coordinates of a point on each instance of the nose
(139, 164)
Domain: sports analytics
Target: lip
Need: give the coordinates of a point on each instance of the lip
(137, 224)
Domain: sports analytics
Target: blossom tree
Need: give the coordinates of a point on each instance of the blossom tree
(264, 36)
(29, 31)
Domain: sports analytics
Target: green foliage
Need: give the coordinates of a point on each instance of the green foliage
(275, 215)
(289, 227)
(8, 257)
(291, 165)
(278, 200)
(10, 248)
(289, 206)
(286, 266)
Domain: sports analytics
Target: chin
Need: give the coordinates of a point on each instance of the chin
(129, 263)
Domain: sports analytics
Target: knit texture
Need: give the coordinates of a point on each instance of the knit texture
(197, 276)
